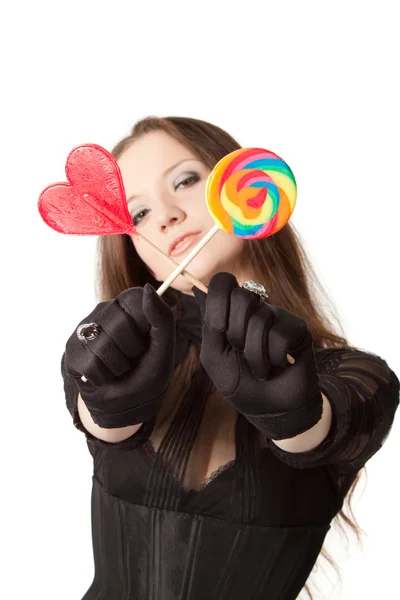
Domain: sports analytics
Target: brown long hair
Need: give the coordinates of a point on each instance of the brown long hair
(280, 261)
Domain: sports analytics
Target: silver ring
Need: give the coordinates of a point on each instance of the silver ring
(256, 288)
(88, 331)
(85, 333)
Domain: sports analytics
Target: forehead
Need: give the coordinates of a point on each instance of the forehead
(150, 155)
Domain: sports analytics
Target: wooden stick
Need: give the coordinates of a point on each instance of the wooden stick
(187, 260)
(172, 263)
(131, 231)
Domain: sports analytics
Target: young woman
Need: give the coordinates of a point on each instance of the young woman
(218, 464)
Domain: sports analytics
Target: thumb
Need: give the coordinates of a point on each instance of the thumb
(156, 311)
(201, 299)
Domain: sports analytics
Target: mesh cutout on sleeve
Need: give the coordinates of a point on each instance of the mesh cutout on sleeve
(364, 394)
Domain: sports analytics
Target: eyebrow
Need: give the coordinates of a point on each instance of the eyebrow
(164, 174)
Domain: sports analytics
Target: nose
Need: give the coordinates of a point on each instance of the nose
(169, 216)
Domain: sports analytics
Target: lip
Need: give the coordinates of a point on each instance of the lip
(190, 235)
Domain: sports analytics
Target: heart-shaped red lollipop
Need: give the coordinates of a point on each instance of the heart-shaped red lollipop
(93, 202)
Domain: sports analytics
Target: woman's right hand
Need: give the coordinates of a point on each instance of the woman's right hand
(129, 365)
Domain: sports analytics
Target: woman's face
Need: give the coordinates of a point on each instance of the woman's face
(165, 189)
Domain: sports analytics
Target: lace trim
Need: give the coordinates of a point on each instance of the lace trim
(215, 473)
(208, 479)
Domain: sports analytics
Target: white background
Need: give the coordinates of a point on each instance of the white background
(317, 83)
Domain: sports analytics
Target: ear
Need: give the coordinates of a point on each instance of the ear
(201, 298)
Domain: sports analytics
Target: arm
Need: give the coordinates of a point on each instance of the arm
(84, 422)
(112, 436)
(312, 437)
(127, 366)
(364, 395)
(244, 351)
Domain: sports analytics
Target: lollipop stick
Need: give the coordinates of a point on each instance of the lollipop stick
(130, 230)
(187, 260)
(171, 262)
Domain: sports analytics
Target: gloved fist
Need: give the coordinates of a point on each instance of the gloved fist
(244, 347)
(129, 365)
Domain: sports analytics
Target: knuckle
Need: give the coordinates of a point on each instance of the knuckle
(130, 300)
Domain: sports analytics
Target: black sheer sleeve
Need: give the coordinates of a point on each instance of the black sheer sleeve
(364, 395)
(71, 398)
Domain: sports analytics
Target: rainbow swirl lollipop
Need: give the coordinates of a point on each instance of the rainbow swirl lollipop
(251, 193)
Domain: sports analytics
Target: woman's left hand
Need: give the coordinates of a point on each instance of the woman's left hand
(244, 346)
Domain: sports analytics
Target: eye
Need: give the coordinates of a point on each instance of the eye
(187, 181)
(139, 216)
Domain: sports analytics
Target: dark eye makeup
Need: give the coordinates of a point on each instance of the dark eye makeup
(139, 216)
(188, 179)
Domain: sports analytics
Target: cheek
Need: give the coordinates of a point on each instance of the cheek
(199, 212)
(222, 248)
(232, 244)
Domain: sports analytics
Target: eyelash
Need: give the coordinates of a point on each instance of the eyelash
(194, 178)
(135, 218)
